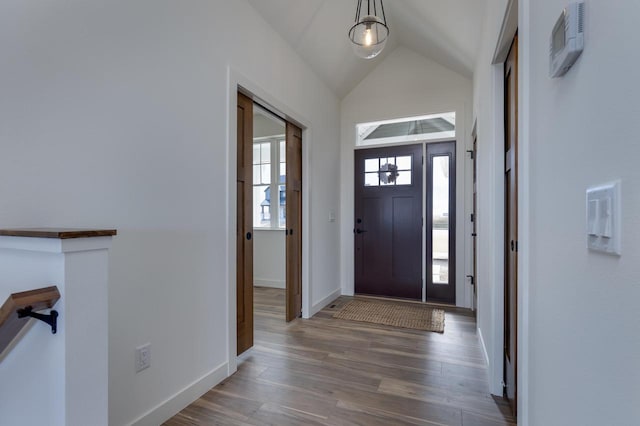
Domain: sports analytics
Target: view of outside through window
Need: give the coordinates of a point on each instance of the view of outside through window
(440, 232)
(269, 196)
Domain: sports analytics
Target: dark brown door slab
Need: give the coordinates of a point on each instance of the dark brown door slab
(388, 221)
(244, 226)
(511, 227)
(294, 222)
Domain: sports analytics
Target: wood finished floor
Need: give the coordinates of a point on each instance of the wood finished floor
(325, 371)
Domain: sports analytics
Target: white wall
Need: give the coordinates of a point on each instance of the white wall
(269, 258)
(584, 324)
(407, 84)
(120, 109)
(579, 328)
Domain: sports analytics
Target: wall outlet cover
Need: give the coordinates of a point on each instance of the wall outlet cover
(143, 357)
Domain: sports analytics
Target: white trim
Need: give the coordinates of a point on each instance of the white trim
(324, 302)
(507, 32)
(484, 348)
(496, 372)
(263, 282)
(235, 82)
(524, 219)
(180, 400)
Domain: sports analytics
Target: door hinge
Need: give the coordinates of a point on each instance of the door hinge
(470, 153)
(472, 217)
(516, 246)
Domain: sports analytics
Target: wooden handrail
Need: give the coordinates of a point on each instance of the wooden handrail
(11, 324)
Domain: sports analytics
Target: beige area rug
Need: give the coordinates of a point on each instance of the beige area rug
(418, 317)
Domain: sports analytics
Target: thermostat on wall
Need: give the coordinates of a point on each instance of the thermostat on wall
(567, 39)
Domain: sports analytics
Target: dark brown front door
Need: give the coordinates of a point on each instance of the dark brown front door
(388, 221)
(511, 227)
(294, 221)
(441, 229)
(244, 226)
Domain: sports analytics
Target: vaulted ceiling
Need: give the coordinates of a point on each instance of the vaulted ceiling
(445, 31)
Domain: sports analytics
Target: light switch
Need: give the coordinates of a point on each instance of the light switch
(592, 217)
(603, 218)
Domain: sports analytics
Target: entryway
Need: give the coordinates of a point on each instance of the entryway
(405, 205)
(269, 201)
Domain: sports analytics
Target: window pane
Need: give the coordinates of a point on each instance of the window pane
(403, 163)
(256, 153)
(440, 231)
(404, 178)
(371, 165)
(283, 171)
(390, 160)
(261, 206)
(256, 174)
(371, 179)
(266, 173)
(282, 215)
(265, 153)
(283, 152)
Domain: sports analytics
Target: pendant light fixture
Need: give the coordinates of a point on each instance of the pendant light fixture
(369, 34)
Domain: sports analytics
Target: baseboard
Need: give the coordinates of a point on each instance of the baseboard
(484, 347)
(259, 282)
(324, 302)
(172, 406)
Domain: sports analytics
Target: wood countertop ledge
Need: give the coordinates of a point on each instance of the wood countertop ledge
(59, 233)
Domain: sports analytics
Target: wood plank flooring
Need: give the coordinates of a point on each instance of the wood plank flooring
(325, 371)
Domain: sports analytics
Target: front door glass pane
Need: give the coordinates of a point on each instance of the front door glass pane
(440, 231)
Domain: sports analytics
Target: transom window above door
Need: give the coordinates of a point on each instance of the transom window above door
(407, 130)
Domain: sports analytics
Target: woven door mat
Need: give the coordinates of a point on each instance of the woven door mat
(417, 317)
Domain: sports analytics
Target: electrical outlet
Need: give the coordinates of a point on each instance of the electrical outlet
(143, 357)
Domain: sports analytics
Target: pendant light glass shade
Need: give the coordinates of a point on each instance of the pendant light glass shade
(369, 34)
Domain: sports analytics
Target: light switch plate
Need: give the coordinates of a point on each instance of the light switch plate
(604, 218)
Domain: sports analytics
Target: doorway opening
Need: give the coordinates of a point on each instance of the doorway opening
(269, 216)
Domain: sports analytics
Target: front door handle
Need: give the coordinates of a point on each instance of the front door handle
(360, 231)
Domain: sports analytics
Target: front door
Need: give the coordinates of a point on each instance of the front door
(511, 227)
(388, 221)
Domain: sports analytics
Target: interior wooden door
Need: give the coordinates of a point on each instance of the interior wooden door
(244, 225)
(441, 222)
(388, 221)
(294, 222)
(511, 227)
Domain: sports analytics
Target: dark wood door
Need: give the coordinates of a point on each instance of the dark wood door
(294, 221)
(244, 225)
(441, 223)
(511, 227)
(388, 221)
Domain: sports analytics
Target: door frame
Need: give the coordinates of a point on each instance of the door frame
(516, 19)
(236, 81)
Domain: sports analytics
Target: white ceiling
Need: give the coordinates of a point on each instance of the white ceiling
(446, 31)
